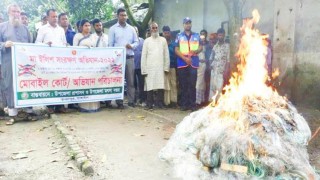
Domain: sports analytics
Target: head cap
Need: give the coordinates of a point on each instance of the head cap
(166, 29)
(187, 20)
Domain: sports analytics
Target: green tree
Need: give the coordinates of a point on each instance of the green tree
(90, 9)
(35, 8)
(77, 9)
(142, 26)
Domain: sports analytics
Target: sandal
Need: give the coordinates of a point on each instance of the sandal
(21, 116)
(10, 122)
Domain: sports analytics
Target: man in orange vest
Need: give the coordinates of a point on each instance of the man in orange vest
(187, 49)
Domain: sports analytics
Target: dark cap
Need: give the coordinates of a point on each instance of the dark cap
(187, 20)
(221, 31)
(166, 29)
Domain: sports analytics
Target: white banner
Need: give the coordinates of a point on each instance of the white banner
(45, 75)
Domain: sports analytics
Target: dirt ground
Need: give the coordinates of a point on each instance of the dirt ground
(44, 155)
(122, 144)
(313, 117)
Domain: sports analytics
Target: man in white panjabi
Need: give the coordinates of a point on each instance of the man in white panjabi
(155, 62)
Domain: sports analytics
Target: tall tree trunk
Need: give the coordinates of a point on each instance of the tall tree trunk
(142, 26)
(234, 8)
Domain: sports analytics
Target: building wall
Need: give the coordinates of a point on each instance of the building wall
(297, 49)
(265, 9)
(172, 12)
(208, 14)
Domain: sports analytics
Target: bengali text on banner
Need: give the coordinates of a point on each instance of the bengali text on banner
(44, 75)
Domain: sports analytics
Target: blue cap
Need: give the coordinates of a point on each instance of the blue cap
(187, 20)
(166, 29)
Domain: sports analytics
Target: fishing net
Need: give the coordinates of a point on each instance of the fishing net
(251, 132)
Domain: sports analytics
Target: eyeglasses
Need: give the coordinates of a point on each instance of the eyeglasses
(154, 27)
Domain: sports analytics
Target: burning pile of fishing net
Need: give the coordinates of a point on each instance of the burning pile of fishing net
(252, 131)
(268, 139)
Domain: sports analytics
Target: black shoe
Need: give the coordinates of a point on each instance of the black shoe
(131, 105)
(158, 107)
(120, 106)
(33, 116)
(2, 113)
(173, 105)
(149, 108)
(183, 108)
(73, 106)
(194, 108)
(108, 104)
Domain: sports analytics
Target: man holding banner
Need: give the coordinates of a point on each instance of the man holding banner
(52, 34)
(10, 32)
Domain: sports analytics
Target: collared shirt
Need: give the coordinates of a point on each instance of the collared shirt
(221, 57)
(137, 54)
(120, 36)
(103, 42)
(69, 36)
(48, 33)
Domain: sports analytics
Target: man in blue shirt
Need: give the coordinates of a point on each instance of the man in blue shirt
(64, 23)
(123, 35)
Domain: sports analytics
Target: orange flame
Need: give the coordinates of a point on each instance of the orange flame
(250, 80)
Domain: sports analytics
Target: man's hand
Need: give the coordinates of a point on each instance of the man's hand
(187, 60)
(8, 44)
(194, 52)
(128, 46)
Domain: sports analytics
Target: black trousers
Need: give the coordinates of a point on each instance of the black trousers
(187, 78)
(139, 84)
(155, 98)
(55, 107)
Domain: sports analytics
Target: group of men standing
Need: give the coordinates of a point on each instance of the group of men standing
(177, 70)
(153, 64)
